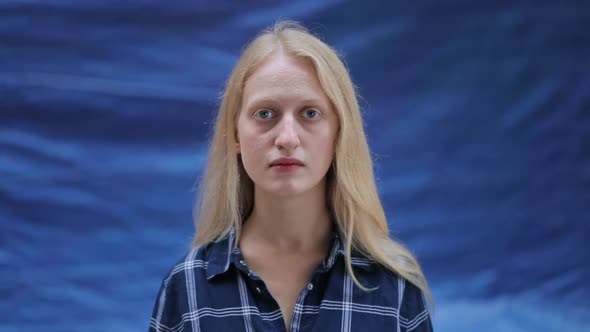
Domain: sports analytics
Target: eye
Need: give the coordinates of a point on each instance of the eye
(311, 113)
(263, 114)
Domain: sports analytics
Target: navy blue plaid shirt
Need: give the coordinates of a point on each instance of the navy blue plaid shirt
(212, 289)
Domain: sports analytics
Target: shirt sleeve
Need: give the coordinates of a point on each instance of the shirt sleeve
(414, 314)
(167, 312)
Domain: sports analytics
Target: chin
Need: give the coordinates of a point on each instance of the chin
(286, 189)
(286, 192)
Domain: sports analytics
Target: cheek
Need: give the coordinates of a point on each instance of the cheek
(324, 149)
(251, 150)
(246, 136)
(327, 138)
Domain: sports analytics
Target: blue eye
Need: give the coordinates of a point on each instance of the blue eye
(263, 114)
(311, 113)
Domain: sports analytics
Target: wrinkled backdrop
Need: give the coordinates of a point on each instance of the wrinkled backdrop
(478, 116)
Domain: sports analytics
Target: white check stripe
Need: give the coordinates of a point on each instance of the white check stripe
(218, 313)
(416, 321)
(178, 327)
(361, 261)
(188, 265)
(157, 326)
(298, 311)
(346, 304)
(230, 244)
(401, 285)
(354, 307)
(191, 289)
(245, 302)
(270, 316)
(161, 305)
(233, 311)
(358, 260)
(332, 257)
(358, 307)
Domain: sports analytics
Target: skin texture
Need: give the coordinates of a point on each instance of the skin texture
(285, 113)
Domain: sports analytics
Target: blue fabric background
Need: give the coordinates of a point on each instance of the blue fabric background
(478, 115)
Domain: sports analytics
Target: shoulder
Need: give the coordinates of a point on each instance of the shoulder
(192, 264)
(398, 292)
(390, 296)
(177, 288)
(413, 310)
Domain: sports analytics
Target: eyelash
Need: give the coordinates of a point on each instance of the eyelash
(317, 113)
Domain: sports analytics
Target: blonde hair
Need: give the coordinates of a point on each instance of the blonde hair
(226, 192)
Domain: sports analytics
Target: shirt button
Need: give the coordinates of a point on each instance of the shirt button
(310, 286)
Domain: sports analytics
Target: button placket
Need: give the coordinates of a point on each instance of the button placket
(300, 301)
(246, 266)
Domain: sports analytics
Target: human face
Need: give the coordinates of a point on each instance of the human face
(286, 128)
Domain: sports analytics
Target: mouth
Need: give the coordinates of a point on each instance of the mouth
(286, 164)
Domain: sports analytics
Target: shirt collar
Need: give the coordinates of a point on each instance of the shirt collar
(219, 255)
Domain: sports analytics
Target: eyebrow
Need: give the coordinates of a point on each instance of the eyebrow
(272, 101)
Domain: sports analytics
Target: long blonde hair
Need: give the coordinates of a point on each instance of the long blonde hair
(226, 192)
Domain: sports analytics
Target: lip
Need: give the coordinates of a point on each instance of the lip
(286, 162)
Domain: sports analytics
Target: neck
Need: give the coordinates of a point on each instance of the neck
(295, 223)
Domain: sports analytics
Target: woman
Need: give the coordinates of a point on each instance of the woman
(291, 234)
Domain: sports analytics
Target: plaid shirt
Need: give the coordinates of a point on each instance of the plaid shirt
(212, 289)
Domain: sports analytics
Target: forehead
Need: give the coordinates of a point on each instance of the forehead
(284, 78)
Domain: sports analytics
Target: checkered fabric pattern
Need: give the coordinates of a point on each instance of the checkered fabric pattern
(212, 289)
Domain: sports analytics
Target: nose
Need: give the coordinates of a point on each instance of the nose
(287, 137)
